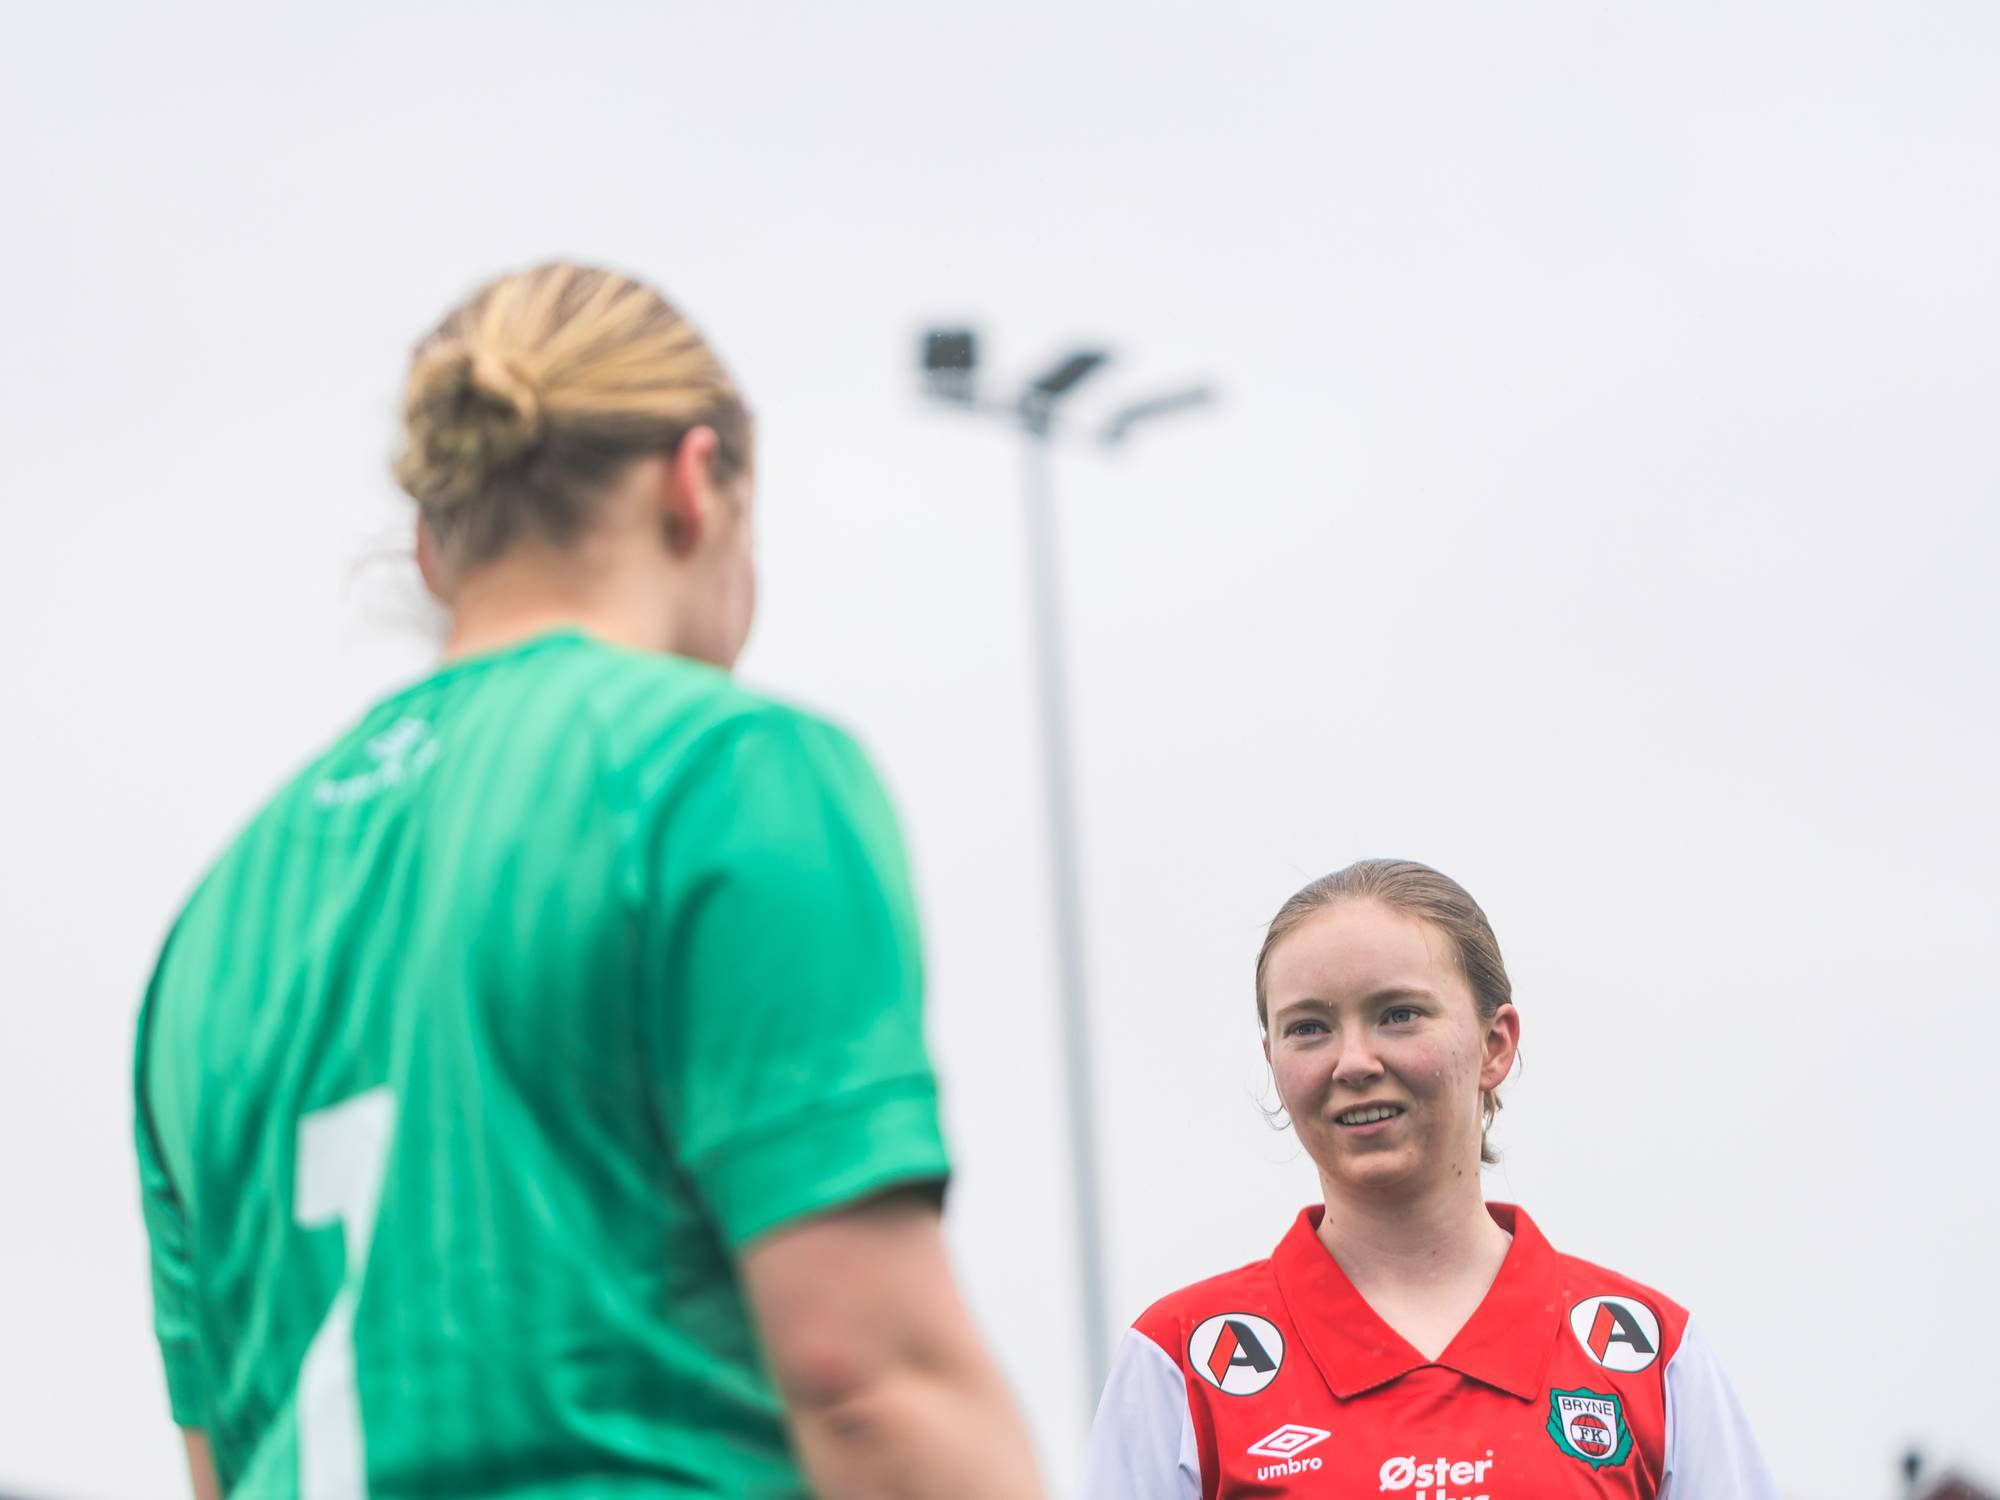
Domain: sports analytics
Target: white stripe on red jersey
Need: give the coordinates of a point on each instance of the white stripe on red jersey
(1145, 1406)
(1709, 1447)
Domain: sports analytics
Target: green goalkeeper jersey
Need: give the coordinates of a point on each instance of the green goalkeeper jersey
(470, 1068)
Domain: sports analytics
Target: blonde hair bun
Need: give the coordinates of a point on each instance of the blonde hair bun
(469, 415)
(532, 395)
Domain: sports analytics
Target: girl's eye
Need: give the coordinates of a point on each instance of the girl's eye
(1402, 1015)
(1304, 1028)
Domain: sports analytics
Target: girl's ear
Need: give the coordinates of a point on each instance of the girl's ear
(427, 562)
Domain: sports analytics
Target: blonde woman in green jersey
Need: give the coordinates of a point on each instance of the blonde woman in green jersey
(533, 1099)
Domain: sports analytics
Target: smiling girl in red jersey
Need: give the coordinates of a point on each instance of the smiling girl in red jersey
(1407, 1339)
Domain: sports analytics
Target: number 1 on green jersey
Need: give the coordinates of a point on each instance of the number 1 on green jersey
(342, 1152)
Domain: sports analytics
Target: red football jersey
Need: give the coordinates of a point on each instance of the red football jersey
(1278, 1379)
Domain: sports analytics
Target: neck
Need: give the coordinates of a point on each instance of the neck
(1442, 1233)
(523, 594)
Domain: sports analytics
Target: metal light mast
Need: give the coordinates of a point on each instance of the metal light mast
(951, 367)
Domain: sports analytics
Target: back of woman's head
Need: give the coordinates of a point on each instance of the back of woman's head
(532, 396)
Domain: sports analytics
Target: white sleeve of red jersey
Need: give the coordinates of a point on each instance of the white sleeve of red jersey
(1710, 1452)
(1142, 1444)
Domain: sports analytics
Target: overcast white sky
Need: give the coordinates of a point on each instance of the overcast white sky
(1602, 509)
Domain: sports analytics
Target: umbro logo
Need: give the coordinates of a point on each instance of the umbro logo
(1283, 1447)
(1287, 1441)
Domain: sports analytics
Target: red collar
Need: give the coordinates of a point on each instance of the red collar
(1504, 1344)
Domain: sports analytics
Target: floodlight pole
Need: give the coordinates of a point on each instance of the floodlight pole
(1065, 885)
(950, 364)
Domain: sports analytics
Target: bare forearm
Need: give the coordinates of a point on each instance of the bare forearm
(919, 1436)
(201, 1465)
(890, 1391)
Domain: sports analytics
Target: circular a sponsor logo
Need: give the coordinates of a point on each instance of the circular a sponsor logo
(1590, 1435)
(1237, 1353)
(1620, 1333)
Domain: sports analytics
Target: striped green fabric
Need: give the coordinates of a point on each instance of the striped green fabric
(470, 1067)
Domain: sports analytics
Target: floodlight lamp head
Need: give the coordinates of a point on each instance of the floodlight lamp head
(1115, 431)
(951, 364)
(1060, 379)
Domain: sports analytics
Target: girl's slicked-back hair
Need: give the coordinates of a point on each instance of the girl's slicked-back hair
(1429, 895)
(536, 391)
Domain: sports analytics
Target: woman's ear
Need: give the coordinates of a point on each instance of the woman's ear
(688, 496)
(428, 565)
(1503, 1042)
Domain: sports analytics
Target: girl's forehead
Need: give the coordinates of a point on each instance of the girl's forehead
(1361, 945)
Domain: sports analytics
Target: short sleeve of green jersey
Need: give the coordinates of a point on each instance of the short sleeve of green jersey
(792, 1041)
(172, 1262)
